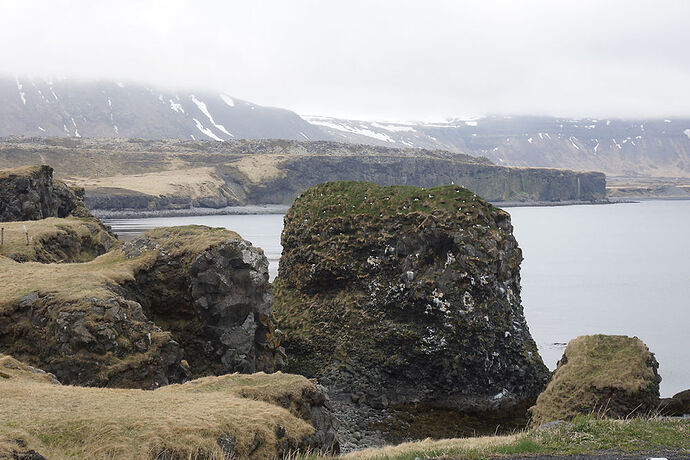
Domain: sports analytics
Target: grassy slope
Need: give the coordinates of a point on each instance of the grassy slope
(41, 231)
(90, 423)
(191, 182)
(19, 171)
(72, 282)
(585, 435)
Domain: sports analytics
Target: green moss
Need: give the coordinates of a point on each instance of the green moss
(346, 198)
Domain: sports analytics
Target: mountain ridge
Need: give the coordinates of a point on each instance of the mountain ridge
(629, 148)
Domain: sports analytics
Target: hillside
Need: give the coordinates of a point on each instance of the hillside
(176, 174)
(54, 107)
(656, 148)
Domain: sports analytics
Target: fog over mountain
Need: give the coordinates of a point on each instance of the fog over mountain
(113, 109)
(356, 59)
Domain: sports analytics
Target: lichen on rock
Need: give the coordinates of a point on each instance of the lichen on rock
(406, 299)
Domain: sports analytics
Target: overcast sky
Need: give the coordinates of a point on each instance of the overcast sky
(397, 60)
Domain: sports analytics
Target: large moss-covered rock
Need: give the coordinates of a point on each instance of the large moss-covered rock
(30, 193)
(173, 303)
(406, 301)
(608, 375)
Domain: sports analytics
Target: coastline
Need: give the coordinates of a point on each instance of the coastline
(282, 209)
(228, 210)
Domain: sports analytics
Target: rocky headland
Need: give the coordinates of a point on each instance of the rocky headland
(405, 303)
(30, 193)
(147, 175)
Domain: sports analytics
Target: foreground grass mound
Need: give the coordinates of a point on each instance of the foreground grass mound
(405, 303)
(609, 375)
(69, 239)
(257, 416)
(586, 435)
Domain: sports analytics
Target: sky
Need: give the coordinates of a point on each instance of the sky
(387, 59)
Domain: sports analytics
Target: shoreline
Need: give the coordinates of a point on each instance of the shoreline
(282, 209)
(228, 210)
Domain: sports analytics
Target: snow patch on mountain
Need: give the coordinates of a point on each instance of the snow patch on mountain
(227, 99)
(394, 128)
(206, 131)
(176, 106)
(204, 109)
(22, 94)
(354, 127)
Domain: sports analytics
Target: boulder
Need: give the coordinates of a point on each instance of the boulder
(677, 405)
(30, 193)
(607, 375)
(405, 303)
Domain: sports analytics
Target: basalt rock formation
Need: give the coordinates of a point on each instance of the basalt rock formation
(174, 303)
(405, 303)
(608, 375)
(30, 193)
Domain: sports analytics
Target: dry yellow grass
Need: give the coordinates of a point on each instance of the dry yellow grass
(40, 231)
(430, 447)
(19, 171)
(260, 168)
(192, 182)
(64, 422)
(72, 282)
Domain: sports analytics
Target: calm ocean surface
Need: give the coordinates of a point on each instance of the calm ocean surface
(611, 269)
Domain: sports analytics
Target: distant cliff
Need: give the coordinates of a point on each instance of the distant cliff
(171, 174)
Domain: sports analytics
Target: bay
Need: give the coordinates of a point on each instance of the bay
(609, 269)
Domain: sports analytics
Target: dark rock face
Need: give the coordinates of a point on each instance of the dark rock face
(405, 302)
(216, 303)
(677, 405)
(17, 450)
(119, 199)
(491, 182)
(97, 342)
(30, 194)
(609, 375)
(197, 302)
